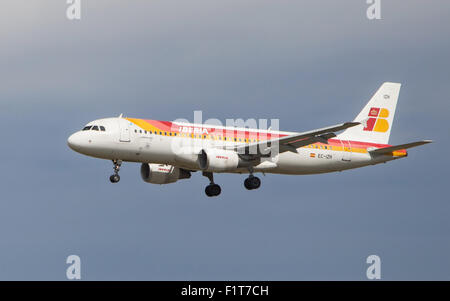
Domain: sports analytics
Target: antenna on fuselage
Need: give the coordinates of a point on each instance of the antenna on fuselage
(120, 116)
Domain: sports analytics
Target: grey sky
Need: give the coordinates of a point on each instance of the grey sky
(308, 63)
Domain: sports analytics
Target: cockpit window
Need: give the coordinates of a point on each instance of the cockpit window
(94, 128)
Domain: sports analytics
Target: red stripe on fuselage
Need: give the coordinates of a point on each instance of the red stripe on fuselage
(254, 134)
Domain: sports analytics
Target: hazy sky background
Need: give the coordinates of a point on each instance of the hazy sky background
(308, 63)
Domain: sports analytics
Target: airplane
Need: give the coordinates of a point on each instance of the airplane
(171, 151)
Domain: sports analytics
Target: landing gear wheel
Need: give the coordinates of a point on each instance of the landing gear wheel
(212, 190)
(114, 178)
(252, 183)
(247, 184)
(256, 182)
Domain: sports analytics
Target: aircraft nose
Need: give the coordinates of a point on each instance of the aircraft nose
(75, 142)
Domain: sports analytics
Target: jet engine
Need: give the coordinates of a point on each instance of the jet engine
(218, 160)
(162, 173)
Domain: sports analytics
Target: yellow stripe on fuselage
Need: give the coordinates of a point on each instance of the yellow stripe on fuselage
(143, 124)
(149, 127)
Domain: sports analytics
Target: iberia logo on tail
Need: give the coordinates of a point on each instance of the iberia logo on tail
(377, 120)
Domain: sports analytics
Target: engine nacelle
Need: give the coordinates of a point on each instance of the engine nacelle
(218, 160)
(162, 173)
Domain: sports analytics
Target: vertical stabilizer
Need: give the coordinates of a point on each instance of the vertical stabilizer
(377, 117)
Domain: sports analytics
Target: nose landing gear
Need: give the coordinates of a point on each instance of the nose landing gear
(212, 189)
(115, 178)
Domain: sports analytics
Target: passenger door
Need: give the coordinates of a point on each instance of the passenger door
(124, 127)
(346, 151)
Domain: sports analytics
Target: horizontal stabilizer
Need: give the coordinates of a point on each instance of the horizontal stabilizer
(390, 149)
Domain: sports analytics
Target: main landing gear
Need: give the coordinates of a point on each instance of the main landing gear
(115, 178)
(252, 182)
(212, 189)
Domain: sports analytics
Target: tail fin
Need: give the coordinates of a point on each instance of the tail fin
(376, 118)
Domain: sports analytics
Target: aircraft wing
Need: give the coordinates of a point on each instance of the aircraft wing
(390, 149)
(292, 142)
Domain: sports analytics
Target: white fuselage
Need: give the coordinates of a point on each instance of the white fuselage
(124, 140)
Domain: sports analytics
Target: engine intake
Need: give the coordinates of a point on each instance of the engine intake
(162, 173)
